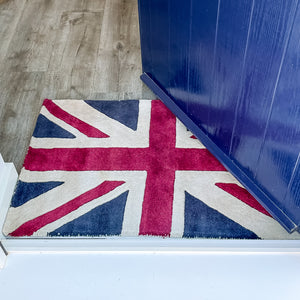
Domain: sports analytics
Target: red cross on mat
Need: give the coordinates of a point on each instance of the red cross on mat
(161, 160)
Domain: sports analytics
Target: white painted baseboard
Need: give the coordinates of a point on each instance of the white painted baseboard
(3, 256)
(8, 179)
(148, 276)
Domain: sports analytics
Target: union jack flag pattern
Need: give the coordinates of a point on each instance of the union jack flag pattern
(127, 168)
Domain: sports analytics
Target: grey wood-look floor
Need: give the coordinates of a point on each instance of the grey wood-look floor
(63, 49)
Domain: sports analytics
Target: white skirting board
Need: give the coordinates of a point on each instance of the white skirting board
(8, 179)
(3, 256)
(157, 275)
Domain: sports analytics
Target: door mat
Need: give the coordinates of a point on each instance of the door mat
(127, 168)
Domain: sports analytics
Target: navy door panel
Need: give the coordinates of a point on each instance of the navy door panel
(230, 70)
(229, 61)
(281, 142)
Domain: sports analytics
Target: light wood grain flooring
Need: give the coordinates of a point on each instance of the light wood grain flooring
(70, 49)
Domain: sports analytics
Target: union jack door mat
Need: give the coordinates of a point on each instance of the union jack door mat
(127, 168)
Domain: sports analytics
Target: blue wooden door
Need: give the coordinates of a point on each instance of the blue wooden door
(230, 70)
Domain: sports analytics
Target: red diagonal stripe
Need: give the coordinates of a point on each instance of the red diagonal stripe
(83, 127)
(32, 226)
(243, 195)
